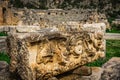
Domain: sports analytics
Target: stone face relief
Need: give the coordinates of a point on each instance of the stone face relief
(49, 52)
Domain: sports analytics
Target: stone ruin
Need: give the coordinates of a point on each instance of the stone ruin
(50, 51)
(17, 17)
(56, 16)
(52, 17)
(6, 14)
(46, 43)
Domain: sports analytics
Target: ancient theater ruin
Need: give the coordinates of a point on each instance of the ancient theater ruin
(46, 43)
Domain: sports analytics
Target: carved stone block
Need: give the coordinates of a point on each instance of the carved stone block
(52, 51)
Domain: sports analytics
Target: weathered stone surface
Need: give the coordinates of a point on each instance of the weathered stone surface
(53, 78)
(3, 11)
(6, 14)
(55, 50)
(4, 73)
(12, 16)
(95, 75)
(27, 29)
(111, 69)
(75, 74)
(55, 16)
(3, 65)
(1, 15)
(83, 71)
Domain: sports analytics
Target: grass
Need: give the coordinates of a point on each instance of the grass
(4, 57)
(3, 34)
(113, 31)
(112, 50)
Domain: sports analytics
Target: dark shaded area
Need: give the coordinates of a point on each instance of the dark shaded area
(16, 3)
(20, 4)
(4, 14)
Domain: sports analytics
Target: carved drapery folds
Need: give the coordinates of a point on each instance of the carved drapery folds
(52, 51)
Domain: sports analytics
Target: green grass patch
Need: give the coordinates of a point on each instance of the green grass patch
(3, 34)
(4, 57)
(112, 50)
(113, 31)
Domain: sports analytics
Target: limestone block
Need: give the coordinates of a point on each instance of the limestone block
(3, 65)
(23, 28)
(51, 51)
(4, 74)
(75, 74)
(111, 69)
(95, 74)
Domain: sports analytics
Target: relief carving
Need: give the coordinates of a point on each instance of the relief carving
(50, 52)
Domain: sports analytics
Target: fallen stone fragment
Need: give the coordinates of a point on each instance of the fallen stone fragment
(4, 73)
(111, 69)
(3, 65)
(95, 75)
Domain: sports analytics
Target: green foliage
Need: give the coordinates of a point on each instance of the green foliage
(17, 3)
(114, 2)
(113, 14)
(93, 5)
(4, 57)
(73, 4)
(101, 5)
(63, 5)
(29, 6)
(43, 4)
(110, 19)
(3, 34)
(112, 50)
